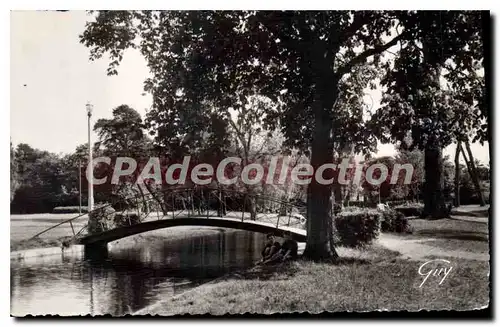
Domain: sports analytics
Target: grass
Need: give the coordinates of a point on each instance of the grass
(364, 281)
(24, 227)
(374, 278)
(458, 245)
(37, 243)
(450, 229)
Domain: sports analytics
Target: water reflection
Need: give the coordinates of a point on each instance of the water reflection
(133, 275)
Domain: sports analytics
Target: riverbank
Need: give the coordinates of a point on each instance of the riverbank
(384, 276)
(374, 279)
(44, 247)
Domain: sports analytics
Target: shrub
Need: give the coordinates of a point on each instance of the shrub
(360, 204)
(101, 219)
(357, 228)
(353, 209)
(412, 209)
(70, 209)
(124, 220)
(394, 221)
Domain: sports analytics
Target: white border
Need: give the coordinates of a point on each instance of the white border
(189, 4)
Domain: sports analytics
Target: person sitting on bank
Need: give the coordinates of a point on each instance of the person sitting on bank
(287, 252)
(272, 247)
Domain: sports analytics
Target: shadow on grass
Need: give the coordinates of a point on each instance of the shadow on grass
(454, 234)
(287, 270)
(478, 213)
(352, 261)
(284, 271)
(280, 271)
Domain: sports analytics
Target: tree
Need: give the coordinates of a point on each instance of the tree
(415, 105)
(466, 77)
(377, 193)
(123, 136)
(14, 182)
(416, 159)
(206, 62)
(247, 128)
(471, 167)
(41, 179)
(483, 171)
(75, 164)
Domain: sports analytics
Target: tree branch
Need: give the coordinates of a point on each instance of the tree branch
(367, 53)
(359, 19)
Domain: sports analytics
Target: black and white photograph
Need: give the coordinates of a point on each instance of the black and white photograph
(259, 162)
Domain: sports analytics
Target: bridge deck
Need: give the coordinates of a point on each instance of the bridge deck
(249, 225)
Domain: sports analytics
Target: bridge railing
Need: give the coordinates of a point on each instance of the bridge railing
(193, 202)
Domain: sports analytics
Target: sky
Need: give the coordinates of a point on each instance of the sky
(52, 79)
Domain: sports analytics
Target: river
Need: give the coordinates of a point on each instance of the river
(137, 272)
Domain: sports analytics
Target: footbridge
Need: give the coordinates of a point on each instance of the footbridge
(204, 207)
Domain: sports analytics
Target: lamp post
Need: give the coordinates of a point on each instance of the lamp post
(91, 175)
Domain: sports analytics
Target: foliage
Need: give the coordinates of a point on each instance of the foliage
(352, 208)
(101, 219)
(122, 135)
(416, 159)
(126, 219)
(483, 171)
(70, 209)
(468, 194)
(14, 177)
(382, 191)
(394, 221)
(41, 178)
(414, 101)
(204, 63)
(357, 229)
(47, 180)
(448, 178)
(417, 110)
(410, 209)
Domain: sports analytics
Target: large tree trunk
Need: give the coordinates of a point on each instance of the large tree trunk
(473, 173)
(457, 176)
(434, 202)
(320, 227)
(320, 245)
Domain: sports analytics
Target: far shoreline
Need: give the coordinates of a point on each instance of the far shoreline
(49, 245)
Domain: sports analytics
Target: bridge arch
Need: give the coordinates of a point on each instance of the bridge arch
(191, 207)
(252, 226)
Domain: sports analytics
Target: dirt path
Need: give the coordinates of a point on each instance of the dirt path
(413, 249)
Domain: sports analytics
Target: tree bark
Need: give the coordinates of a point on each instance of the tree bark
(434, 202)
(457, 175)
(320, 246)
(474, 175)
(320, 55)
